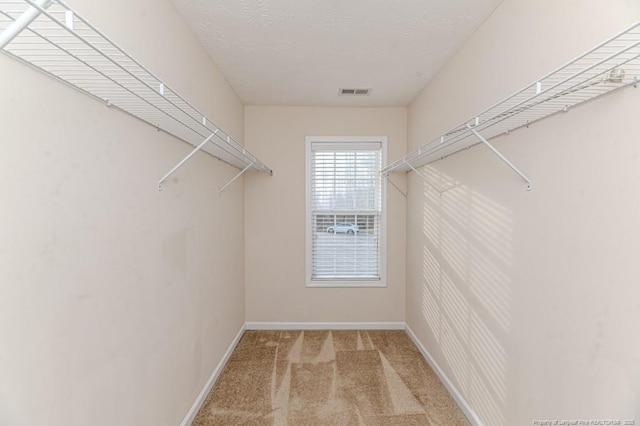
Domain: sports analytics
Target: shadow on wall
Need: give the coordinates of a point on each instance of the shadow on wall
(466, 290)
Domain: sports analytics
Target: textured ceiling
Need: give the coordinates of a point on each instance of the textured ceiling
(301, 52)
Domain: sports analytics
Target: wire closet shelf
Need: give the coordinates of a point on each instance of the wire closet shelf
(611, 65)
(52, 37)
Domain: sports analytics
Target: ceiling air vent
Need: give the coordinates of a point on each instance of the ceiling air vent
(355, 92)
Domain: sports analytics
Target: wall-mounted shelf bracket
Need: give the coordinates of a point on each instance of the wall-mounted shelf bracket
(428, 181)
(501, 156)
(185, 159)
(221, 190)
(394, 185)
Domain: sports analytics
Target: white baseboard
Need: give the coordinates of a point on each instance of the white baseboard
(453, 391)
(325, 325)
(193, 411)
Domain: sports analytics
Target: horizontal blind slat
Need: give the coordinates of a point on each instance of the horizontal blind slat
(346, 200)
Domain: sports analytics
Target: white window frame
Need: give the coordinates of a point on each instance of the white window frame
(382, 282)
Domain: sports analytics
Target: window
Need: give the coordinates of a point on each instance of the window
(345, 212)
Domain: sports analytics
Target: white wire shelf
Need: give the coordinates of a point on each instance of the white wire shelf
(609, 66)
(52, 37)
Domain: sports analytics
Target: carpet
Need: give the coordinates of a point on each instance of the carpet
(327, 378)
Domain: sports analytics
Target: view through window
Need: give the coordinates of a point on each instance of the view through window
(345, 208)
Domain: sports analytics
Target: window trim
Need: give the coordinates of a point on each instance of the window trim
(358, 283)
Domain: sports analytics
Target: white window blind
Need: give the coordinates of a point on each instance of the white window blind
(345, 208)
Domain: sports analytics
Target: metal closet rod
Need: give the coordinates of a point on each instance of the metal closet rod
(119, 66)
(120, 105)
(235, 146)
(519, 111)
(224, 138)
(109, 79)
(610, 65)
(93, 70)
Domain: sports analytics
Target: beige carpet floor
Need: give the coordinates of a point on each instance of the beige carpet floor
(326, 378)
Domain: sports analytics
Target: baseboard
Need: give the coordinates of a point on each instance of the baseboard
(325, 325)
(193, 411)
(453, 391)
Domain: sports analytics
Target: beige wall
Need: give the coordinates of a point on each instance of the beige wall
(116, 301)
(529, 300)
(275, 218)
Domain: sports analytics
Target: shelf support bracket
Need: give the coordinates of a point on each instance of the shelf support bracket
(184, 160)
(426, 179)
(394, 185)
(17, 26)
(501, 156)
(221, 190)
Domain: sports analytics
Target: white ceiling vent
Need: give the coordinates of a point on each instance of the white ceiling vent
(355, 92)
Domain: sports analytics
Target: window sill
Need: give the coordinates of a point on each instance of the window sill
(345, 284)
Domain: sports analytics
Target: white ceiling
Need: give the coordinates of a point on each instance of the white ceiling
(301, 52)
